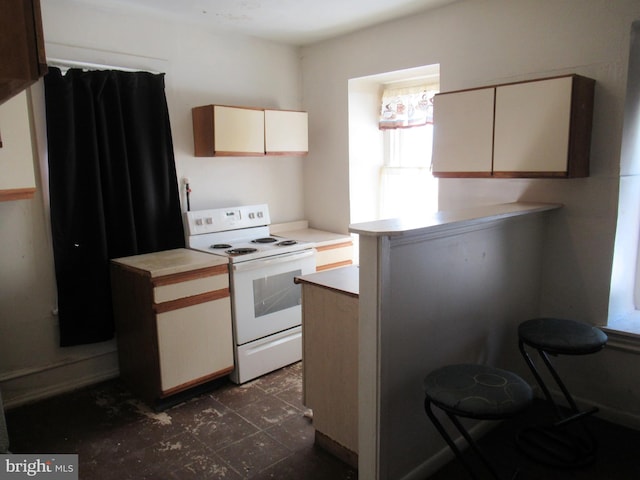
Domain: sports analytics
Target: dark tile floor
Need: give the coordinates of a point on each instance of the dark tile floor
(258, 430)
(616, 456)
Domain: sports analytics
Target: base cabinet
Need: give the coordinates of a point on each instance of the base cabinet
(330, 358)
(185, 358)
(173, 324)
(333, 250)
(334, 255)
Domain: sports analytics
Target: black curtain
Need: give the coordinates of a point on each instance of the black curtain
(113, 187)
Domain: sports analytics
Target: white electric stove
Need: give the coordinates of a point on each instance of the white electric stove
(266, 303)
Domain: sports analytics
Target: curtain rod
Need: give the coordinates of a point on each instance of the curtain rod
(67, 64)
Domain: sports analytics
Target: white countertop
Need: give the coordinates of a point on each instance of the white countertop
(170, 261)
(301, 232)
(449, 218)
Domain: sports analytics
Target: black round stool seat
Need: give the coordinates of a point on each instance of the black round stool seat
(477, 391)
(562, 336)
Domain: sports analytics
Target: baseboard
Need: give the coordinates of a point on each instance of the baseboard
(37, 384)
(337, 450)
(604, 412)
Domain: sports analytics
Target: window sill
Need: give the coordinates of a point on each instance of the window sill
(624, 332)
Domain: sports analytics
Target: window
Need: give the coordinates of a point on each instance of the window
(624, 297)
(407, 187)
(389, 167)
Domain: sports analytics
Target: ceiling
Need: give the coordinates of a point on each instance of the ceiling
(294, 22)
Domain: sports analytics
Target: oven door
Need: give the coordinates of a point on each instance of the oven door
(265, 298)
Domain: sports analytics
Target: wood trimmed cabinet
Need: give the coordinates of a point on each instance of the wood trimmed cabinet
(173, 321)
(539, 128)
(334, 255)
(22, 42)
(330, 306)
(17, 177)
(285, 132)
(464, 115)
(23, 63)
(219, 130)
(228, 131)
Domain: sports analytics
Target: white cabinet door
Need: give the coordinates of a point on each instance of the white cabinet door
(17, 179)
(532, 126)
(286, 131)
(194, 342)
(463, 132)
(238, 130)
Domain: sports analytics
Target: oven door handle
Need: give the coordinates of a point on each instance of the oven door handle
(275, 260)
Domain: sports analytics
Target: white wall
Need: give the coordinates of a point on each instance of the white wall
(202, 67)
(365, 150)
(481, 43)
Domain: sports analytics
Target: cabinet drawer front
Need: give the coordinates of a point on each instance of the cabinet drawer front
(331, 255)
(194, 342)
(189, 288)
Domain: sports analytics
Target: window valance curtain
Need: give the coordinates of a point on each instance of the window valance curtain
(113, 187)
(407, 107)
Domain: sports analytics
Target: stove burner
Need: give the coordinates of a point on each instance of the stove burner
(286, 243)
(220, 245)
(264, 240)
(241, 251)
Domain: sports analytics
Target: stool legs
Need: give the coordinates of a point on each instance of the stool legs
(572, 404)
(452, 444)
(552, 445)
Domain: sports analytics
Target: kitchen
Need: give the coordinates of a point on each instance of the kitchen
(476, 43)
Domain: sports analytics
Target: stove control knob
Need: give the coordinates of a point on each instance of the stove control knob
(198, 221)
(209, 221)
(252, 215)
(259, 214)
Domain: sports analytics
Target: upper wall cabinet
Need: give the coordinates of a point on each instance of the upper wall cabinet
(226, 131)
(17, 179)
(286, 132)
(463, 140)
(539, 128)
(22, 45)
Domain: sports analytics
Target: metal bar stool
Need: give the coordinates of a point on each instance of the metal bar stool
(478, 392)
(555, 444)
